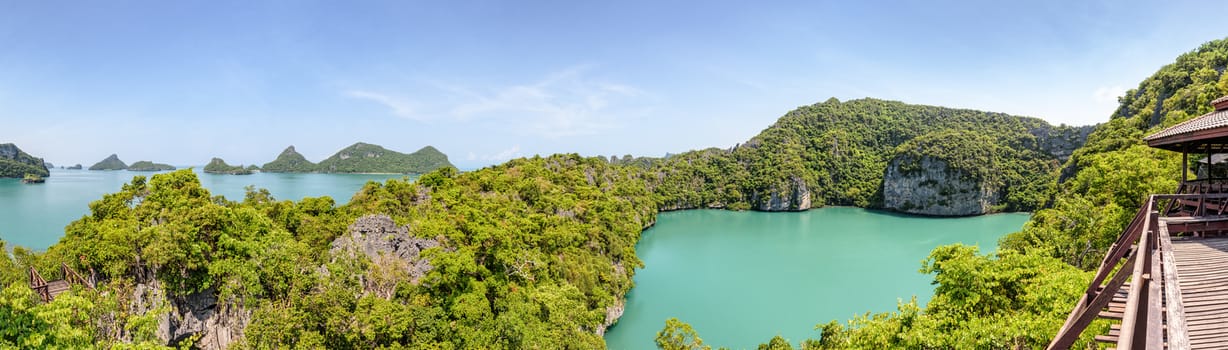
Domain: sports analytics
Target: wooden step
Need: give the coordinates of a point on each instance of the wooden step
(1107, 339)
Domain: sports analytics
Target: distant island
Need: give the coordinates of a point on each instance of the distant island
(289, 161)
(17, 164)
(111, 162)
(219, 166)
(146, 165)
(76, 167)
(362, 158)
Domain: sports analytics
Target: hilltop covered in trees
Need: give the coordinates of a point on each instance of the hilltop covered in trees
(17, 164)
(111, 162)
(362, 158)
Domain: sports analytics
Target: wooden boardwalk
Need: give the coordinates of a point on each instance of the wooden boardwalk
(1202, 277)
(48, 290)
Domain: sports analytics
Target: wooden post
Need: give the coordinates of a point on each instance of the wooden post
(1185, 162)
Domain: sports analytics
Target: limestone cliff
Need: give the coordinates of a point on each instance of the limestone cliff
(961, 172)
(933, 187)
(794, 195)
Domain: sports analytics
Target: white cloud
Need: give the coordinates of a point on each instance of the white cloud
(1108, 94)
(513, 152)
(564, 103)
(400, 107)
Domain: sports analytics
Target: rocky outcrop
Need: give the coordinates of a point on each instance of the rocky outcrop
(214, 325)
(793, 197)
(217, 325)
(393, 252)
(1061, 141)
(930, 186)
(17, 164)
(612, 314)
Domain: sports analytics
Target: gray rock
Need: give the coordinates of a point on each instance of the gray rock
(215, 325)
(795, 196)
(936, 189)
(382, 241)
(218, 324)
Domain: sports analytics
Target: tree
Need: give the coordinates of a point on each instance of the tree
(678, 335)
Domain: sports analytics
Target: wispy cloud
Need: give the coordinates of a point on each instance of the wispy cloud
(568, 102)
(513, 152)
(1108, 94)
(400, 107)
(564, 103)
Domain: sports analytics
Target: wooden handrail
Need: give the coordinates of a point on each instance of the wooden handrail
(1139, 280)
(1142, 245)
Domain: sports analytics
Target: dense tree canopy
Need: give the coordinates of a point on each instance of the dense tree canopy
(539, 252)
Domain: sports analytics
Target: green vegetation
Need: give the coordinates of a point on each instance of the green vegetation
(219, 166)
(537, 252)
(367, 158)
(1106, 181)
(1021, 296)
(17, 164)
(838, 152)
(111, 162)
(534, 252)
(145, 165)
(289, 161)
(32, 179)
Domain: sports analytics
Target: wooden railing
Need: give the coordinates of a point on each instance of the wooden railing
(1142, 316)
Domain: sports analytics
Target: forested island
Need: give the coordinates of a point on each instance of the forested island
(361, 158)
(146, 165)
(15, 163)
(539, 252)
(219, 166)
(111, 162)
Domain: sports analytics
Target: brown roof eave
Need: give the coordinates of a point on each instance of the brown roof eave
(1174, 142)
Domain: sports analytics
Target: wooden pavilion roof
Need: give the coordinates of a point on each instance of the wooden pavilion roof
(1207, 133)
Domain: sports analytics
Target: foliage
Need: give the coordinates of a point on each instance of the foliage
(16, 164)
(145, 165)
(840, 151)
(111, 162)
(678, 335)
(219, 166)
(1105, 181)
(367, 158)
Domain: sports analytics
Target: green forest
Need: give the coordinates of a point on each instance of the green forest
(539, 252)
(145, 165)
(361, 158)
(219, 166)
(17, 164)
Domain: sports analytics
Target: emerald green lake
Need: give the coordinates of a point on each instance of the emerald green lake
(34, 216)
(740, 278)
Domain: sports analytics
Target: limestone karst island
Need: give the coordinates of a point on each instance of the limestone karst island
(627, 175)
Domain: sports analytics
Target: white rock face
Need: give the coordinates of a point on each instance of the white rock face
(935, 189)
(794, 198)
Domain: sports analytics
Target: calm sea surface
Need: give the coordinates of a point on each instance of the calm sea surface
(740, 278)
(34, 216)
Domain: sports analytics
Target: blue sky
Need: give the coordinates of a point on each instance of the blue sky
(183, 81)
